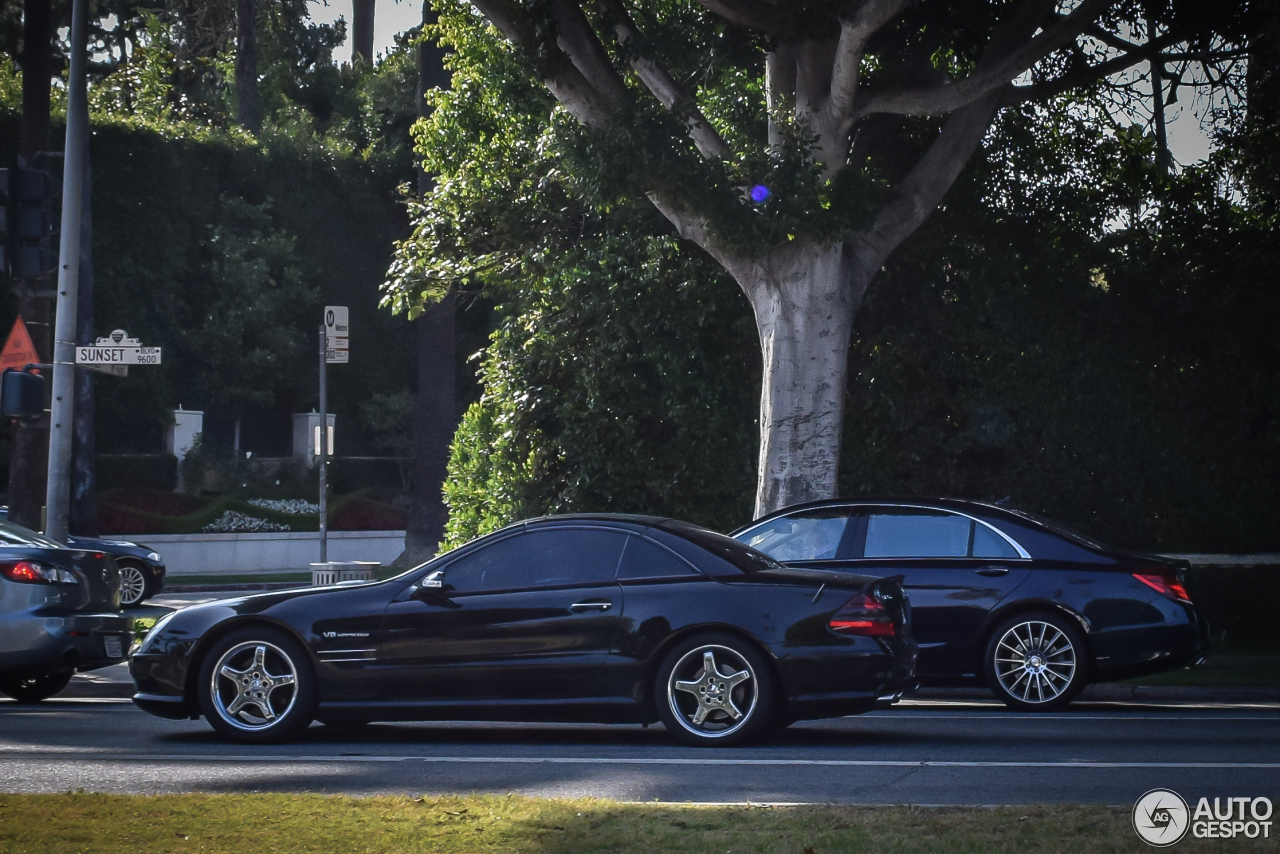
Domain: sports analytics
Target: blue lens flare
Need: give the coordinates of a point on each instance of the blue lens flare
(759, 193)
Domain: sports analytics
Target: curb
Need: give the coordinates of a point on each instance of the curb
(233, 588)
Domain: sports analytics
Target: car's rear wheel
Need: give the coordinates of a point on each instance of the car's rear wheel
(135, 584)
(257, 686)
(1036, 662)
(33, 689)
(715, 690)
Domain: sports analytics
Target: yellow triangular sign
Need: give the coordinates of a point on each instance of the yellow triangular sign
(18, 349)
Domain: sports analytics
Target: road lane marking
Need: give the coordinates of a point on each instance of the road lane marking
(601, 760)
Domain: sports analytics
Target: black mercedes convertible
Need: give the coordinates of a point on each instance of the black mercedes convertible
(599, 618)
(1035, 609)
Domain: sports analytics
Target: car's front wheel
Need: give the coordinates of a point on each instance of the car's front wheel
(1036, 662)
(135, 584)
(715, 690)
(33, 689)
(257, 686)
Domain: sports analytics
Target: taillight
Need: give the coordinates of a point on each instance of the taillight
(1165, 585)
(863, 615)
(27, 572)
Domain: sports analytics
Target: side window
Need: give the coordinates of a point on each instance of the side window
(643, 559)
(916, 533)
(808, 535)
(538, 559)
(987, 543)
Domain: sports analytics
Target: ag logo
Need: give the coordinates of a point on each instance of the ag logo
(1161, 817)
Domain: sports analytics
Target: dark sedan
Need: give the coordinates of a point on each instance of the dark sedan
(141, 568)
(574, 618)
(1034, 609)
(59, 613)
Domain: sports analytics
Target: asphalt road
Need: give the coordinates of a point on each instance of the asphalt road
(923, 753)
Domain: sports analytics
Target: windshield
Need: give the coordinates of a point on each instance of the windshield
(16, 536)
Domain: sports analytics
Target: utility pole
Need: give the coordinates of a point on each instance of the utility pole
(324, 447)
(64, 335)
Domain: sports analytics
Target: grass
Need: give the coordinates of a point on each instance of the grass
(75, 822)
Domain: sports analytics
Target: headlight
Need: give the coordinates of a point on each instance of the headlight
(153, 635)
(153, 556)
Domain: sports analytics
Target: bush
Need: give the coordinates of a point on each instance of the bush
(361, 514)
(352, 474)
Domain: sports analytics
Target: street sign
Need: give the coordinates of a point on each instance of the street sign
(336, 357)
(110, 370)
(117, 349)
(18, 350)
(335, 327)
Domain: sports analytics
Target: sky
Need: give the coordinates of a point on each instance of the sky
(391, 17)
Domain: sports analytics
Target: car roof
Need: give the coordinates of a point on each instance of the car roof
(959, 504)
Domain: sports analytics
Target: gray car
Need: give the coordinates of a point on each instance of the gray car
(59, 614)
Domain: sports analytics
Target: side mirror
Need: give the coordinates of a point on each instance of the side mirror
(431, 586)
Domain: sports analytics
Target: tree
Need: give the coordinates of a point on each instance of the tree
(248, 103)
(799, 144)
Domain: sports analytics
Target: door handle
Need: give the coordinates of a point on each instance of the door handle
(993, 571)
(597, 604)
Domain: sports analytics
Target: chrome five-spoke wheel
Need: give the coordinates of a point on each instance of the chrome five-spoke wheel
(1034, 662)
(257, 686)
(715, 691)
(133, 584)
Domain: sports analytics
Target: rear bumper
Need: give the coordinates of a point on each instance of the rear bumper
(1129, 653)
(41, 642)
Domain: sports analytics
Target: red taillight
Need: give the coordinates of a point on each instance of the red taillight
(863, 615)
(24, 572)
(1165, 585)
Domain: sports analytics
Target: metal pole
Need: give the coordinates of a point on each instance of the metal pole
(324, 451)
(64, 331)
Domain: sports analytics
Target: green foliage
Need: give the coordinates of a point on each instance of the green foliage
(624, 380)
(1098, 351)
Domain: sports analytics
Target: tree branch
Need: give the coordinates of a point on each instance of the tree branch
(562, 77)
(952, 96)
(854, 32)
(1087, 76)
(664, 87)
(578, 40)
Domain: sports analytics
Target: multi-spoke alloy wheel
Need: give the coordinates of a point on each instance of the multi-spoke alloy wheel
(714, 690)
(256, 686)
(133, 584)
(1035, 662)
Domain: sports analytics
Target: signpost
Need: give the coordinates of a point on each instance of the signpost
(334, 344)
(117, 349)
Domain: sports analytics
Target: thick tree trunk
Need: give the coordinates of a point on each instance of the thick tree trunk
(248, 104)
(804, 297)
(362, 30)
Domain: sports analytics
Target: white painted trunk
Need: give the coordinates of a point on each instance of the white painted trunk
(805, 297)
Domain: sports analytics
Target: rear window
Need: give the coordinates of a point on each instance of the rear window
(743, 558)
(19, 537)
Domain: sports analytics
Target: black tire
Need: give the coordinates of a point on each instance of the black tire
(33, 689)
(257, 686)
(1036, 662)
(743, 685)
(136, 583)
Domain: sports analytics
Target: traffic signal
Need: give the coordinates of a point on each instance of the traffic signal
(21, 394)
(27, 222)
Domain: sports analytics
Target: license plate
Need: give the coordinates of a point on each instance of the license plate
(113, 646)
